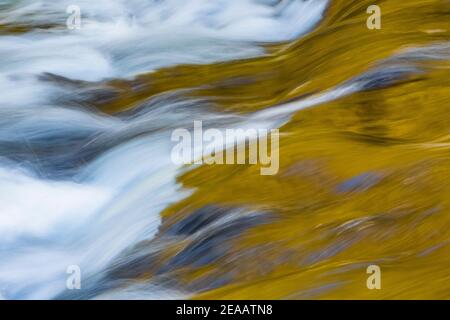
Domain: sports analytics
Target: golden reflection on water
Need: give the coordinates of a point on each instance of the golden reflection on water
(363, 180)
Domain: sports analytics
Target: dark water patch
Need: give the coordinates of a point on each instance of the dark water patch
(386, 77)
(197, 220)
(210, 282)
(359, 183)
(214, 243)
(134, 266)
(208, 231)
(330, 251)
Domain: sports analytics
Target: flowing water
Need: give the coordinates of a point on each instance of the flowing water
(86, 176)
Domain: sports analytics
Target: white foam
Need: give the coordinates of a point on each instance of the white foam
(46, 226)
(36, 208)
(123, 38)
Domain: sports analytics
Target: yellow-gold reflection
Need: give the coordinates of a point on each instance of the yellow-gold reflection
(363, 180)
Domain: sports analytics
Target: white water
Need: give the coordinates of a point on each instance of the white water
(113, 202)
(121, 38)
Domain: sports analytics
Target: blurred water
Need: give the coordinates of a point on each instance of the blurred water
(86, 217)
(362, 176)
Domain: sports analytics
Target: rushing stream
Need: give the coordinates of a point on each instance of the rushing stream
(87, 178)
